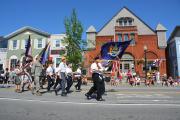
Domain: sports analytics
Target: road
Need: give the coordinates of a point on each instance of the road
(122, 103)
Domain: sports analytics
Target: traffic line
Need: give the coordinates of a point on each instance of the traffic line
(87, 103)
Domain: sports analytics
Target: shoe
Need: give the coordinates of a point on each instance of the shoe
(101, 99)
(88, 96)
(63, 94)
(38, 94)
(56, 92)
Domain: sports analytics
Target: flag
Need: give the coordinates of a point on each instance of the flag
(113, 50)
(45, 54)
(28, 48)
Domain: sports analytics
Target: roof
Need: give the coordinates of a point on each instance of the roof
(132, 14)
(160, 27)
(91, 29)
(176, 29)
(24, 29)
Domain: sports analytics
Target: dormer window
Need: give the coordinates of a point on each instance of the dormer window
(125, 21)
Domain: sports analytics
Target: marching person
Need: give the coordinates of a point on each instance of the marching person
(69, 74)
(79, 78)
(17, 72)
(98, 80)
(50, 77)
(62, 74)
(36, 73)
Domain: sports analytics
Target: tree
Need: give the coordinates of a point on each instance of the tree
(74, 31)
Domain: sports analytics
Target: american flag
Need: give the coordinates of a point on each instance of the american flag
(157, 62)
(115, 67)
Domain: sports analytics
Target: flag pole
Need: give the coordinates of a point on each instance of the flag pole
(114, 29)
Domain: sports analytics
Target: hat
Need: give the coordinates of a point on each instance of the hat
(63, 58)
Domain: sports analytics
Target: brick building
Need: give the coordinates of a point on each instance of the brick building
(123, 26)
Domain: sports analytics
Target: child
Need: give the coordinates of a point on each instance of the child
(17, 79)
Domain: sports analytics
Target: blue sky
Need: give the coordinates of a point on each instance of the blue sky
(48, 15)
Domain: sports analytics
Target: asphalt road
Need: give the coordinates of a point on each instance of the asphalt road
(122, 103)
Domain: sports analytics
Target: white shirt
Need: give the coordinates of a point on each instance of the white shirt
(49, 71)
(69, 71)
(94, 67)
(78, 71)
(62, 67)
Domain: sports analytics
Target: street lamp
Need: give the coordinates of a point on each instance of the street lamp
(145, 62)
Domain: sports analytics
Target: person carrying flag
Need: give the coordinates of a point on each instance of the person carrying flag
(36, 73)
(98, 80)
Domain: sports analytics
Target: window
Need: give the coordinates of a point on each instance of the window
(132, 37)
(14, 44)
(120, 37)
(121, 23)
(126, 37)
(130, 22)
(126, 66)
(57, 43)
(58, 60)
(121, 66)
(13, 63)
(125, 22)
(39, 43)
(25, 43)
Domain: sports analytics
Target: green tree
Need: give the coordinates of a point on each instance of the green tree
(74, 31)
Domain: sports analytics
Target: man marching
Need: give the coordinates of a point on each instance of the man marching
(98, 80)
(36, 73)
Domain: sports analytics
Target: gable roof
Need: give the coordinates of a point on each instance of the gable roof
(25, 29)
(125, 8)
(91, 29)
(160, 27)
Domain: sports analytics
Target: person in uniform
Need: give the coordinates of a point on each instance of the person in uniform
(98, 80)
(36, 73)
(62, 74)
(50, 76)
(69, 74)
(79, 78)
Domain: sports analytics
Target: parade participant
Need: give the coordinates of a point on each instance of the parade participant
(50, 76)
(58, 80)
(6, 76)
(36, 72)
(43, 77)
(98, 82)
(62, 70)
(79, 78)
(17, 72)
(69, 74)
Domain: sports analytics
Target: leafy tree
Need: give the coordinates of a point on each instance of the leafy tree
(74, 31)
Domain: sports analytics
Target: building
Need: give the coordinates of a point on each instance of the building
(173, 53)
(3, 53)
(17, 41)
(58, 48)
(123, 26)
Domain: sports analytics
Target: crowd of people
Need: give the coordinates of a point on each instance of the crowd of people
(150, 79)
(35, 76)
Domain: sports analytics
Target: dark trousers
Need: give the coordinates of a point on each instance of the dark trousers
(50, 82)
(58, 81)
(69, 83)
(63, 83)
(98, 85)
(79, 83)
